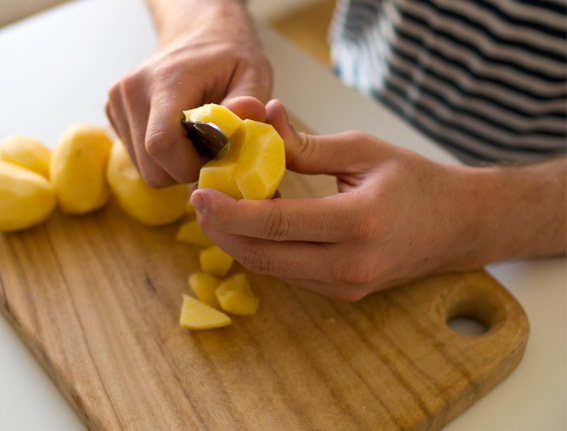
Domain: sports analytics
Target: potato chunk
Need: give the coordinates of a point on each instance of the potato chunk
(27, 152)
(191, 232)
(219, 115)
(152, 207)
(78, 167)
(235, 295)
(26, 198)
(253, 165)
(215, 261)
(204, 286)
(196, 315)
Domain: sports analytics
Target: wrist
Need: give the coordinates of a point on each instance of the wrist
(214, 18)
(510, 212)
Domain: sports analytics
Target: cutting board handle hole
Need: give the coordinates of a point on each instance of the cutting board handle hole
(470, 326)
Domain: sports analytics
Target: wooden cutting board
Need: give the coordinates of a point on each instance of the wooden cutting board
(97, 299)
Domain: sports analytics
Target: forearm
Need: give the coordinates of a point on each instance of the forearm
(175, 17)
(516, 211)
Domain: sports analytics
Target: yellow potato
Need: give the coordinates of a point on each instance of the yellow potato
(29, 153)
(191, 232)
(190, 209)
(220, 115)
(196, 315)
(78, 168)
(253, 165)
(152, 207)
(204, 286)
(235, 295)
(26, 198)
(215, 261)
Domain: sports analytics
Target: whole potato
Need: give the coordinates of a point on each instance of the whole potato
(152, 207)
(78, 168)
(26, 198)
(27, 152)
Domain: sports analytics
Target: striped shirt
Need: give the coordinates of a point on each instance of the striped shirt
(484, 78)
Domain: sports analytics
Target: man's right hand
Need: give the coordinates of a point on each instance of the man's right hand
(209, 53)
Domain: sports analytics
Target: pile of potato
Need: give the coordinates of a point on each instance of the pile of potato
(214, 292)
(79, 176)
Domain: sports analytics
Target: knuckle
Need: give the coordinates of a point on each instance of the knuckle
(156, 181)
(158, 142)
(350, 295)
(364, 229)
(305, 146)
(254, 260)
(275, 225)
(356, 273)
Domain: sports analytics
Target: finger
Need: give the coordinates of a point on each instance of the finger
(326, 220)
(247, 107)
(166, 141)
(128, 111)
(340, 291)
(115, 113)
(290, 259)
(248, 81)
(342, 153)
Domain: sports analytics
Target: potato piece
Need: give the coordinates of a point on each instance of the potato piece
(152, 207)
(191, 232)
(78, 168)
(26, 198)
(29, 153)
(235, 295)
(261, 165)
(215, 261)
(220, 175)
(253, 166)
(204, 286)
(190, 209)
(219, 115)
(196, 315)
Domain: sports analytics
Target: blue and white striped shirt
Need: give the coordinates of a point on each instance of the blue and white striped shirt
(484, 78)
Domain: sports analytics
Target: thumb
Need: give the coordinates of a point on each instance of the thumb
(318, 154)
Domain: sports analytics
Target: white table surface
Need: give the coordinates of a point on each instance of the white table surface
(55, 70)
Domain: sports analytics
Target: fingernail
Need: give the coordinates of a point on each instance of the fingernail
(198, 202)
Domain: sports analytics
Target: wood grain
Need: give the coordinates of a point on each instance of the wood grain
(97, 299)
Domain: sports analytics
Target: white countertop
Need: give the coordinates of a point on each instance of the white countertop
(55, 70)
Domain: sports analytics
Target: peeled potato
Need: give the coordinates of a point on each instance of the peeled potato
(204, 286)
(196, 315)
(215, 261)
(26, 198)
(235, 295)
(253, 165)
(191, 232)
(29, 153)
(152, 207)
(78, 168)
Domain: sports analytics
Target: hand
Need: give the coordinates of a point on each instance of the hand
(195, 64)
(397, 217)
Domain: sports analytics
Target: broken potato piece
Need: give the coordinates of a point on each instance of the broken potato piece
(197, 315)
(204, 286)
(235, 296)
(191, 232)
(215, 261)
